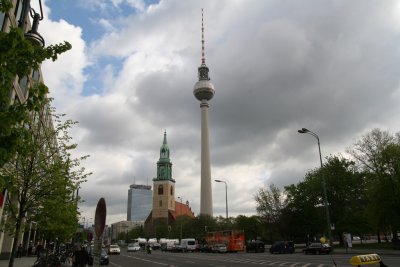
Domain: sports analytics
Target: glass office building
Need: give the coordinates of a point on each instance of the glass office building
(140, 199)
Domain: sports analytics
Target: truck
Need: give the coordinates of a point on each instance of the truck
(233, 239)
(188, 244)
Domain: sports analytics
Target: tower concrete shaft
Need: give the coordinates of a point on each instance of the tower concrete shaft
(204, 91)
(206, 192)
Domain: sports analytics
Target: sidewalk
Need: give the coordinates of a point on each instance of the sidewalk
(19, 262)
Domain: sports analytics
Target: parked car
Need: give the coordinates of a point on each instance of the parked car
(317, 248)
(177, 248)
(114, 249)
(204, 248)
(255, 246)
(155, 246)
(219, 248)
(282, 247)
(104, 260)
(132, 247)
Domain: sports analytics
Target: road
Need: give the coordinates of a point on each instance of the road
(160, 259)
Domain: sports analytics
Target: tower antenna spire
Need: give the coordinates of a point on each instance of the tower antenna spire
(203, 57)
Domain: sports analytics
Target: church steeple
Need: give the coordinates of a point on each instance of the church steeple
(164, 150)
(164, 165)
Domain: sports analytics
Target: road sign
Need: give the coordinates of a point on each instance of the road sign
(100, 217)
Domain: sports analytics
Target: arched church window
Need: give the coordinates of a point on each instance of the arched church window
(160, 190)
(172, 191)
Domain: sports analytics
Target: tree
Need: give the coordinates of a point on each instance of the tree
(346, 199)
(42, 177)
(377, 153)
(269, 206)
(304, 206)
(346, 195)
(252, 226)
(18, 57)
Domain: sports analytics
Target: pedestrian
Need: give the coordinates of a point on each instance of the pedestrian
(38, 250)
(19, 251)
(80, 257)
(30, 249)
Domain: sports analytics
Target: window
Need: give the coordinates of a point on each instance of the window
(172, 191)
(160, 190)
(23, 85)
(18, 11)
(2, 16)
(160, 203)
(36, 75)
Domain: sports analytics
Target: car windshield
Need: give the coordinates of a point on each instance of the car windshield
(114, 246)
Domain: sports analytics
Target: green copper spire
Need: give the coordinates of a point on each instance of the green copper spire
(164, 150)
(164, 165)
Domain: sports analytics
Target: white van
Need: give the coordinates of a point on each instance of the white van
(188, 244)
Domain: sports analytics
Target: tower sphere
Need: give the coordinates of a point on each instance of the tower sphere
(203, 90)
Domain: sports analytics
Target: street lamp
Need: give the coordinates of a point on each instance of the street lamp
(32, 35)
(328, 220)
(226, 195)
(181, 216)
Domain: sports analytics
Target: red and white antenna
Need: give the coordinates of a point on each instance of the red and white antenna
(203, 58)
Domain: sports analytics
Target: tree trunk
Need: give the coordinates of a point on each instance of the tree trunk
(15, 241)
(395, 236)
(378, 234)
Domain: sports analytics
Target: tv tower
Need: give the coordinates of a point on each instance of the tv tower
(204, 91)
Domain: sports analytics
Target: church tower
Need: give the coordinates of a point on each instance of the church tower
(163, 184)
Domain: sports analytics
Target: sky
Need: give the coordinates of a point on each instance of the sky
(277, 66)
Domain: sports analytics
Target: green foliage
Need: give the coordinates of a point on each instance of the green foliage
(378, 153)
(5, 5)
(270, 205)
(18, 57)
(252, 226)
(42, 176)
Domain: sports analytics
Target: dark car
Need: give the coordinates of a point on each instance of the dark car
(282, 247)
(317, 248)
(204, 248)
(104, 260)
(255, 246)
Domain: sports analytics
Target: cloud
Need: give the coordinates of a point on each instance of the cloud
(279, 66)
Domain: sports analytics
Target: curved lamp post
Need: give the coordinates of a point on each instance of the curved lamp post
(32, 35)
(328, 220)
(226, 195)
(181, 216)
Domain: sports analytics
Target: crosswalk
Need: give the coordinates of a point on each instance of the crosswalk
(218, 261)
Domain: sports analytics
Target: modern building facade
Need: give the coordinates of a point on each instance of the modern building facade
(19, 92)
(140, 199)
(204, 91)
(123, 227)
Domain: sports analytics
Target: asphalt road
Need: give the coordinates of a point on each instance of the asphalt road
(169, 259)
